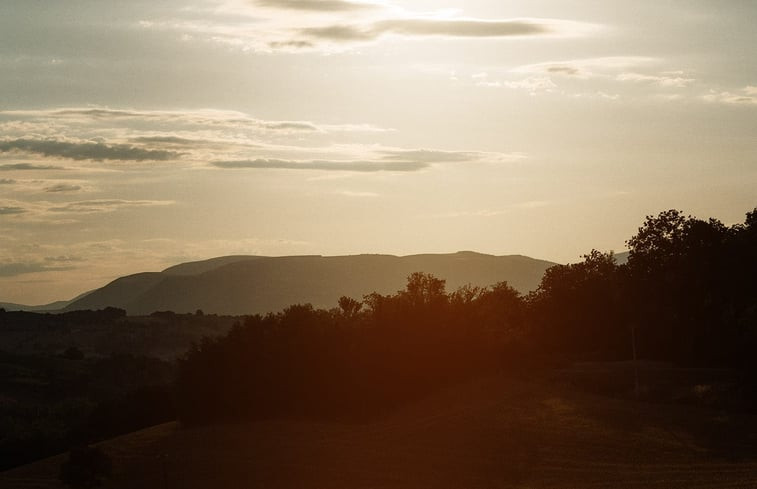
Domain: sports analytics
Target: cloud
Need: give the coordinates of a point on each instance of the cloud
(13, 269)
(430, 156)
(63, 187)
(531, 84)
(28, 166)
(353, 166)
(425, 27)
(336, 25)
(86, 150)
(63, 213)
(588, 67)
(293, 44)
(226, 139)
(663, 80)
(564, 70)
(11, 210)
(747, 96)
(466, 27)
(294, 125)
(341, 33)
(194, 120)
(316, 5)
(64, 259)
(604, 73)
(105, 205)
(394, 160)
(174, 140)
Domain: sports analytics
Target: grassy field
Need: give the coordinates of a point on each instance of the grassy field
(487, 434)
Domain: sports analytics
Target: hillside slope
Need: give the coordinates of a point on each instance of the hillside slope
(496, 433)
(247, 285)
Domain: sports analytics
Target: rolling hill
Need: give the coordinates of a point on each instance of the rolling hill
(254, 284)
(51, 307)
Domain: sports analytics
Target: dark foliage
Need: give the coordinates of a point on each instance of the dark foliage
(50, 403)
(348, 361)
(688, 292)
(86, 467)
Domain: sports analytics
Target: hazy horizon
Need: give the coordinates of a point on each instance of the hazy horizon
(139, 135)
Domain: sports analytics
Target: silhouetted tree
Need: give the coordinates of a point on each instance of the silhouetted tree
(576, 309)
(349, 306)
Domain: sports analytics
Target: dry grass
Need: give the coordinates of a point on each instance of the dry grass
(488, 434)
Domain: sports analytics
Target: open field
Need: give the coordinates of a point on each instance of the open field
(489, 433)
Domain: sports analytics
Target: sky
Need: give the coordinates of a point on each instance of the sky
(137, 135)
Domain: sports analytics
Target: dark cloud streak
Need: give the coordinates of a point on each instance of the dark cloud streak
(473, 28)
(316, 5)
(11, 210)
(354, 166)
(27, 166)
(63, 187)
(20, 268)
(86, 150)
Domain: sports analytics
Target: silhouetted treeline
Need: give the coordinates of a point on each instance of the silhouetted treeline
(688, 289)
(354, 360)
(688, 292)
(107, 332)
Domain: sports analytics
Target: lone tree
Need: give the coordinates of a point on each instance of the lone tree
(85, 468)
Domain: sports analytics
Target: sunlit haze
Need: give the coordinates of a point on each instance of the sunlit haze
(136, 135)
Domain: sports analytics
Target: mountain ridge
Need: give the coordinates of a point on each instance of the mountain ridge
(250, 284)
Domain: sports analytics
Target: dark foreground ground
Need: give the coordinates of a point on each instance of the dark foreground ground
(487, 434)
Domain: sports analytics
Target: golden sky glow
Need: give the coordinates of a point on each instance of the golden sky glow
(135, 135)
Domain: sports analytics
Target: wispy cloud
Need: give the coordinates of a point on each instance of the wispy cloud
(208, 122)
(335, 25)
(200, 138)
(747, 96)
(13, 269)
(429, 27)
(378, 160)
(431, 156)
(63, 187)
(46, 185)
(27, 166)
(9, 210)
(85, 150)
(42, 211)
(316, 5)
(105, 205)
(667, 80)
(532, 84)
(353, 166)
(586, 68)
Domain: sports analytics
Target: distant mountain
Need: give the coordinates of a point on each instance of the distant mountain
(52, 307)
(255, 284)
